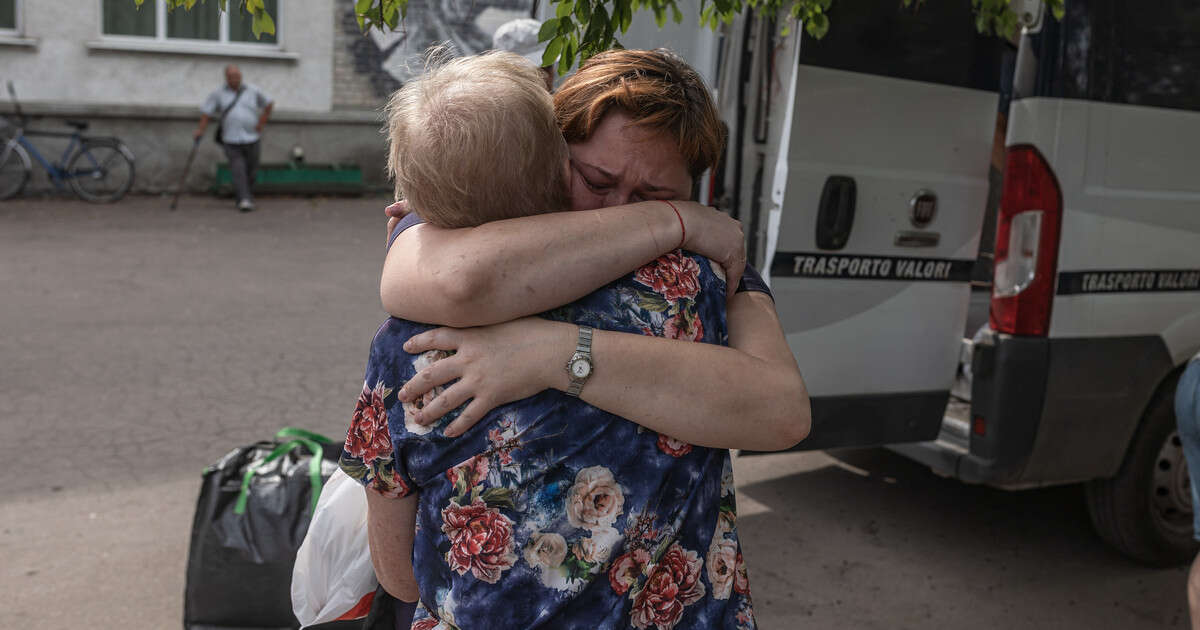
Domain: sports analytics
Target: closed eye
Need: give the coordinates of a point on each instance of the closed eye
(653, 196)
(594, 186)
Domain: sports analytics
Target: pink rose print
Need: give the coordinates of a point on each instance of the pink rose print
(368, 438)
(596, 500)
(472, 472)
(741, 581)
(685, 328)
(673, 276)
(428, 623)
(546, 550)
(411, 408)
(673, 585)
(672, 446)
(481, 540)
(625, 570)
(721, 563)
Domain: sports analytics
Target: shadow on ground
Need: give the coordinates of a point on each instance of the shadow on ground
(870, 539)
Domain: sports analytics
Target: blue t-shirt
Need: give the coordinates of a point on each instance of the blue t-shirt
(550, 512)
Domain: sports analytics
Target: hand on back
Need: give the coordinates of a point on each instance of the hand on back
(394, 213)
(494, 365)
(712, 233)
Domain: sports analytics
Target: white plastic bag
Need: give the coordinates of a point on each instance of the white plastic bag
(333, 575)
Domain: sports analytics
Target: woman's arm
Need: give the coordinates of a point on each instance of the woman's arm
(507, 269)
(748, 395)
(391, 526)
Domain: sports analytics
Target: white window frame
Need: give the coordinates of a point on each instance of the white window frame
(16, 36)
(221, 46)
(16, 29)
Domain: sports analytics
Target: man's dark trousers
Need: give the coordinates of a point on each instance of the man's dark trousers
(243, 165)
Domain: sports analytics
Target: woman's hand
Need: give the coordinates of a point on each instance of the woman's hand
(713, 233)
(494, 365)
(394, 213)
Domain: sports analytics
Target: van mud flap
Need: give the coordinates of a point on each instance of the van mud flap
(874, 420)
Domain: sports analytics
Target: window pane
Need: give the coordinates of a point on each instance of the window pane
(123, 17)
(1121, 51)
(202, 22)
(241, 24)
(934, 42)
(1156, 58)
(8, 13)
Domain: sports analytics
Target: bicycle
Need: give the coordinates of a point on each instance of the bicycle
(98, 169)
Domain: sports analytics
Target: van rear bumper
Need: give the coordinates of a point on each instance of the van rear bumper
(873, 420)
(1047, 411)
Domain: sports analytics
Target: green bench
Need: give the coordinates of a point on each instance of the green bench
(297, 178)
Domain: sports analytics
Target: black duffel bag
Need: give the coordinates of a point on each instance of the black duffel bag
(254, 507)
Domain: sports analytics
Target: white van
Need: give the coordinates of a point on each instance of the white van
(877, 167)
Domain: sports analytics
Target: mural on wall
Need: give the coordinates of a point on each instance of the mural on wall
(389, 59)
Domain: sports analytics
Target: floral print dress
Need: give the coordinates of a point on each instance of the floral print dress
(550, 513)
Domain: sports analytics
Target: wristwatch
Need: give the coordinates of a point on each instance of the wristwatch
(579, 368)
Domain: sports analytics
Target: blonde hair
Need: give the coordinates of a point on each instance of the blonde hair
(474, 139)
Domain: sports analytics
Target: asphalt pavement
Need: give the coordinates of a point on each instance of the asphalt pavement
(137, 345)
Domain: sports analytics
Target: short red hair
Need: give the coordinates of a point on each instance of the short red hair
(658, 90)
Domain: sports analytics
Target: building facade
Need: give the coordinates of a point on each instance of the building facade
(141, 75)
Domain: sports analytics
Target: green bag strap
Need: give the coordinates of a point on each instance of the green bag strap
(294, 432)
(314, 471)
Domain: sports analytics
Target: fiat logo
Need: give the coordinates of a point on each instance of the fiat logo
(922, 208)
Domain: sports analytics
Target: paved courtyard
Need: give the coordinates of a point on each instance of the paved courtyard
(137, 345)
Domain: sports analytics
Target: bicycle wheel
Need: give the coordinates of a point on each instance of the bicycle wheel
(14, 170)
(101, 172)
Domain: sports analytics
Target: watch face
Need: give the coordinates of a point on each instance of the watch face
(581, 368)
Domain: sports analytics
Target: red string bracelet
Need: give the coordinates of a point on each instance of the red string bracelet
(683, 237)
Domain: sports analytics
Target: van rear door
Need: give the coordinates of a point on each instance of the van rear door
(884, 191)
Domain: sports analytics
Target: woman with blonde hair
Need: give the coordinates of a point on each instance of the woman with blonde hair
(647, 537)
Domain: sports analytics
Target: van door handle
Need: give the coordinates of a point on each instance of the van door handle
(835, 215)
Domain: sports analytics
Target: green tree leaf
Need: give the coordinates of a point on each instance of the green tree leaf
(552, 51)
(817, 25)
(549, 29)
(568, 55)
(583, 28)
(263, 24)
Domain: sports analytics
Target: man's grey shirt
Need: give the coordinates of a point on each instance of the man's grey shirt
(240, 122)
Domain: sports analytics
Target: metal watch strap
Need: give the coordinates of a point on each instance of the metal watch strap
(582, 346)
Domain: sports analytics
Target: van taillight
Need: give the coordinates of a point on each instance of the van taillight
(1027, 231)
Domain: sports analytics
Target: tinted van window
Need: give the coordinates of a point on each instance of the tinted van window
(1123, 51)
(935, 42)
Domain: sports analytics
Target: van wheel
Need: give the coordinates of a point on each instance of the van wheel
(1146, 510)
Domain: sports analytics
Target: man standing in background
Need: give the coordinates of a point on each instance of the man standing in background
(241, 111)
